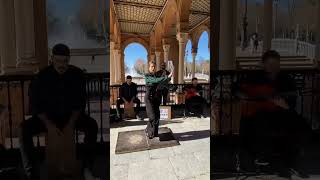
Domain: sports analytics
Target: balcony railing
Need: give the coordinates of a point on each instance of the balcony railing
(174, 98)
(14, 98)
(226, 109)
(294, 47)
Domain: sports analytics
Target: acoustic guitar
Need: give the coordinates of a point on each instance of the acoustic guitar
(260, 98)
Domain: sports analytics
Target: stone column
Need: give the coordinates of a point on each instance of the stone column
(182, 39)
(152, 56)
(194, 54)
(25, 42)
(318, 33)
(122, 70)
(7, 37)
(166, 49)
(158, 54)
(116, 66)
(112, 64)
(119, 67)
(227, 50)
(267, 25)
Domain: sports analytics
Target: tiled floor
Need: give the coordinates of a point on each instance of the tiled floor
(190, 160)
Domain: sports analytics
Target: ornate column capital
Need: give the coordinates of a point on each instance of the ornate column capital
(166, 48)
(116, 51)
(182, 26)
(182, 37)
(158, 53)
(166, 40)
(112, 45)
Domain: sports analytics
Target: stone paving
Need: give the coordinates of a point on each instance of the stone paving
(188, 161)
(269, 177)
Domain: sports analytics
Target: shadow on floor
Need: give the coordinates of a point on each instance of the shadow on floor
(192, 135)
(127, 123)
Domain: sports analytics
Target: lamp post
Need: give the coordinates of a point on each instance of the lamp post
(276, 2)
(244, 43)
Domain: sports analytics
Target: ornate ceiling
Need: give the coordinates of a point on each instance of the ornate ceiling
(200, 10)
(140, 16)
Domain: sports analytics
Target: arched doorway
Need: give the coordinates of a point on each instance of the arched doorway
(135, 62)
(202, 63)
(188, 62)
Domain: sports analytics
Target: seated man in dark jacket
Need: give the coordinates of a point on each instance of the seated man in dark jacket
(271, 111)
(58, 97)
(128, 94)
(195, 103)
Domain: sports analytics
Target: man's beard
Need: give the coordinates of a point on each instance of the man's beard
(61, 70)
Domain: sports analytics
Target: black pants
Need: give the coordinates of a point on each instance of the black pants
(136, 109)
(35, 126)
(164, 96)
(195, 104)
(153, 112)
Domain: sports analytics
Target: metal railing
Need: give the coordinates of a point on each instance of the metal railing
(175, 98)
(226, 111)
(14, 96)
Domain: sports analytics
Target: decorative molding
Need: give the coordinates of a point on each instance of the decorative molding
(182, 37)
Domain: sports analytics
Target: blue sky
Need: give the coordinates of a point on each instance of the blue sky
(134, 51)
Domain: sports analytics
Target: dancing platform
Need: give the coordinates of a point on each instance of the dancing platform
(133, 141)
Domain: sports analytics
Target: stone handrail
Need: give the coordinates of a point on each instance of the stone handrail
(294, 47)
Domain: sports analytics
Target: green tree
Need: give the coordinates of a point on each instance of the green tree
(140, 66)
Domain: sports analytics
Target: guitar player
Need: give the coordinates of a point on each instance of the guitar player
(272, 113)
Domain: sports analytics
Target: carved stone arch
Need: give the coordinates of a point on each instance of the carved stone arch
(128, 41)
(197, 34)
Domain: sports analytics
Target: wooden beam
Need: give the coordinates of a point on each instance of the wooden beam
(140, 5)
(199, 24)
(135, 34)
(200, 13)
(136, 22)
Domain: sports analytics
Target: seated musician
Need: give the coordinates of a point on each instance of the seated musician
(128, 94)
(270, 110)
(58, 101)
(195, 103)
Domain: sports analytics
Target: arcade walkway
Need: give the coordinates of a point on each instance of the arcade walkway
(188, 161)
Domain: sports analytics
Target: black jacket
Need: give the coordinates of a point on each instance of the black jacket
(152, 84)
(58, 95)
(128, 91)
